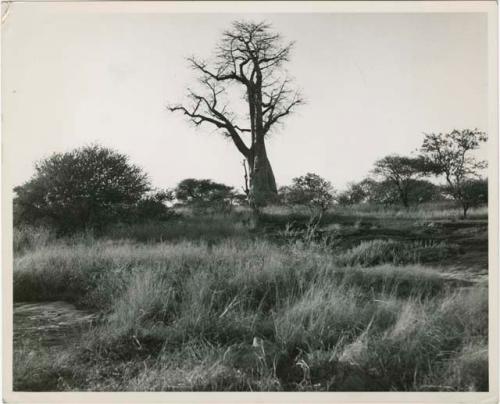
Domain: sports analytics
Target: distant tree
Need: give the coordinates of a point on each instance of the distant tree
(88, 187)
(251, 57)
(475, 193)
(153, 206)
(310, 190)
(382, 193)
(356, 193)
(400, 172)
(448, 155)
(422, 191)
(385, 193)
(205, 193)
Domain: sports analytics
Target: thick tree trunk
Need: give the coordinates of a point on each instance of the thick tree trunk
(263, 188)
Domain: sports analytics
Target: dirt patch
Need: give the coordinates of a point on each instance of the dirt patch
(51, 324)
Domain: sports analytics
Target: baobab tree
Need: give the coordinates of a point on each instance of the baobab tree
(249, 57)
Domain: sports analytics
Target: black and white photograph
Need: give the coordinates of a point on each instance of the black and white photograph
(252, 198)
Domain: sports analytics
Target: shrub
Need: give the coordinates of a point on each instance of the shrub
(151, 206)
(88, 187)
(309, 190)
(205, 194)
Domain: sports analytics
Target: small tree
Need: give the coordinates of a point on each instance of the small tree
(356, 193)
(448, 155)
(86, 188)
(474, 192)
(309, 190)
(401, 172)
(203, 194)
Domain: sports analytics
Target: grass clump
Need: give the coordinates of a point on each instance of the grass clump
(375, 252)
(30, 238)
(40, 369)
(467, 370)
(402, 281)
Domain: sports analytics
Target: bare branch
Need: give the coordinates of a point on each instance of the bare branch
(219, 75)
(274, 118)
(250, 54)
(280, 102)
(205, 110)
(197, 118)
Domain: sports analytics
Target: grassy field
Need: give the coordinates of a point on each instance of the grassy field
(369, 301)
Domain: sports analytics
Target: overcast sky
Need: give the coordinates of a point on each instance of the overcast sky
(373, 84)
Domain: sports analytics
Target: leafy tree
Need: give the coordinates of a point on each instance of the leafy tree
(474, 192)
(448, 155)
(309, 190)
(422, 191)
(385, 193)
(249, 56)
(382, 192)
(153, 206)
(203, 194)
(85, 188)
(400, 172)
(356, 193)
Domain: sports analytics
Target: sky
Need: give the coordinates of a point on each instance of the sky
(373, 84)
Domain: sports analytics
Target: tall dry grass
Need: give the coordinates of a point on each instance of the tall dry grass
(252, 315)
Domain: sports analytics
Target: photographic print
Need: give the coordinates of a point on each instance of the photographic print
(293, 197)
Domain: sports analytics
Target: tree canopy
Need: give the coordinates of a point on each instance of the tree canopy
(205, 193)
(400, 172)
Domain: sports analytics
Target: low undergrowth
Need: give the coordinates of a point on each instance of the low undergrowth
(252, 315)
(375, 252)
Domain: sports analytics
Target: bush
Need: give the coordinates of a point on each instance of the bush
(309, 190)
(205, 194)
(88, 187)
(151, 206)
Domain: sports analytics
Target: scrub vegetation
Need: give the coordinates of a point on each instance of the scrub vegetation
(211, 303)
